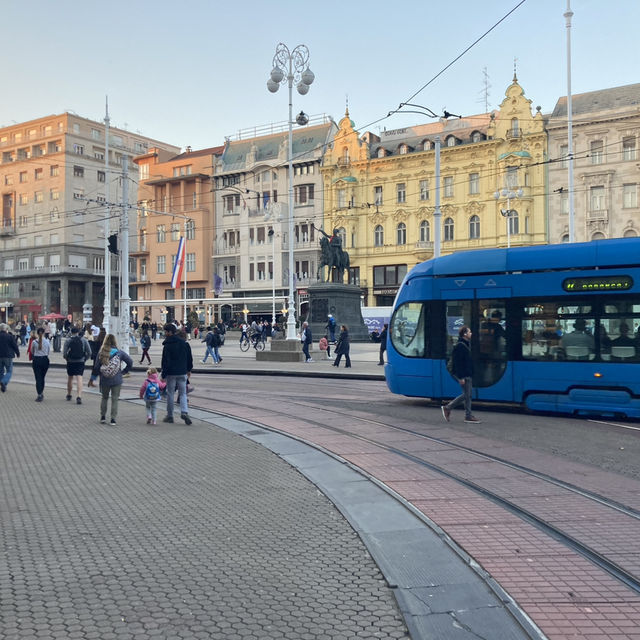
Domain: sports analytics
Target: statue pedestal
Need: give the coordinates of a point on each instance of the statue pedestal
(282, 351)
(342, 301)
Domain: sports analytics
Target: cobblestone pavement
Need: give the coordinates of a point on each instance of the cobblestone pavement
(135, 532)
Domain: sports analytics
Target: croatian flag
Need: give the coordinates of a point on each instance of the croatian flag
(178, 266)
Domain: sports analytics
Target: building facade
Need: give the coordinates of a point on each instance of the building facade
(380, 190)
(606, 135)
(175, 199)
(251, 185)
(54, 186)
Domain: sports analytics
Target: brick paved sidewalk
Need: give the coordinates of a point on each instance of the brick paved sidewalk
(135, 532)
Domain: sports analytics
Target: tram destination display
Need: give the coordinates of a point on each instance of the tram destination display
(597, 283)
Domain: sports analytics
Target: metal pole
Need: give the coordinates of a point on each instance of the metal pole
(184, 315)
(273, 280)
(508, 223)
(106, 313)
(568, 15)
(291, 320)
(437, 214)
(125, 300)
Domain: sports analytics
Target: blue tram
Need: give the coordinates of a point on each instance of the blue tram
(555, 327)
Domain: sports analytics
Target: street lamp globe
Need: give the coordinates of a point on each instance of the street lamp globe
(308, 77)
(272, 86)
(277, 74)
(302, 88)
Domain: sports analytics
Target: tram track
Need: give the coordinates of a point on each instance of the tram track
(594, 555)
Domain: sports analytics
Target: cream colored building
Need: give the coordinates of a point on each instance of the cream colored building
(380, 190)
(606, 135)
(53, 184)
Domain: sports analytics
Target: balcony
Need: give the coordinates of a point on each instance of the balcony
(7, 228)
(343, 162)
(514, 134)
(424, 244)
(599, 214)
(226, 251)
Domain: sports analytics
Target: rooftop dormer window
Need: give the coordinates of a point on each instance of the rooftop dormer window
(381, 153)
(451, 141)
(403, 149)
(426, 145)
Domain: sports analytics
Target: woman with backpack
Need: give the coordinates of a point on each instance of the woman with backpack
(150, 391)
(108, 366)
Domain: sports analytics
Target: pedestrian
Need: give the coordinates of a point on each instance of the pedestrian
(243, 332)
(307, 340)
(383, 342)
(177, 362)
(154, 330)
(462, 370)
(331, 328)
(208, 342)
(145, 343)
(76, 352)
(108, 366)
(342, 347)
(98, 343)
(150, 391)
(39, 352)
(23, 334)
(216, 343)
(8, 351)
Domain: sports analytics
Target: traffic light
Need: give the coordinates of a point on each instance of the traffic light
(113, 243)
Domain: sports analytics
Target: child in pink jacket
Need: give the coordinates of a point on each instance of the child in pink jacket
(150, 391)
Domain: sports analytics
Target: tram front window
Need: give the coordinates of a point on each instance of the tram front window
(408, 330)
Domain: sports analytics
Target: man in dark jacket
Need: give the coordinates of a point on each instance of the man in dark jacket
(383, 343)
(8, 351)
(177, 362)
(306, 339)
(462, 371)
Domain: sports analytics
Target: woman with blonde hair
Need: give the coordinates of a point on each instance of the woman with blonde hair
(39, 350)
(108, 366)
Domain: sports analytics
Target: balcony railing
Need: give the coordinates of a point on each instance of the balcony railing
(424, 244)
(598, 214)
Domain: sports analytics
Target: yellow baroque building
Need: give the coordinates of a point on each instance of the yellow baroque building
(380, 190)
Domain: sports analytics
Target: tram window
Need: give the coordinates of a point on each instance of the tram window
(458, 314)
(408, 330)
(618, 342)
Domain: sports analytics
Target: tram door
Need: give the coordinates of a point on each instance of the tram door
(486, 318)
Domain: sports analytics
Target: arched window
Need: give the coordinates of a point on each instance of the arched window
(451, 141)
(598, 235)
(426, 145)
(515, 127)
(378, 236)
(381, 152)
(448, 229)
(345, 155)
(474, 228)
(425, 231)
(342, 234)
(514, 224)
(565, 238)
(403, 149)
(476, 136)
(401, 233)
(630, 233)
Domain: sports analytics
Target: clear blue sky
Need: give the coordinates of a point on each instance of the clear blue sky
(191, 73)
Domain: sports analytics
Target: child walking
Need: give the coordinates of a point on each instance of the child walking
(150, 391)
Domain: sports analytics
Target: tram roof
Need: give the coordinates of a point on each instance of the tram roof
(549, 257)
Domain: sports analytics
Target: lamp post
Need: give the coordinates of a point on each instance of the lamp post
(290, 66)
(507, 213)
(273, 212)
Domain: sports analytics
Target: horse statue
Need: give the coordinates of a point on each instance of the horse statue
(332, 255)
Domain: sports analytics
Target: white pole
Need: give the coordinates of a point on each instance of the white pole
(291, 320)
(106, 314)
(508, 223)
(184, 318)
(273, 279)
(568, 15)
(125, 301)
(437, 214)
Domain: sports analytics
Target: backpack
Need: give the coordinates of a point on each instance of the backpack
(145, 341)
(112, 368)
(152, 392)
(76, 349)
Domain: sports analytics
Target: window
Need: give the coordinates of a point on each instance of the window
(401, 192)
(377, 196)
(629, 196)
(424, 189)
(191, 262)
(23, 221)
(380, 152)
(161, 264)
(95, 134)
(38, 174)
(230, 203)
(8, 180)
(175, 231)
(407, 330)
(629, 149)
(596, 199)
(425, 231)
(23, 264)
(474, 227)
(564, 203)
(144, 172)
(54, 170)
(54, 194)
(98, 155)
(448, 187)
(448, 229)
(54, 238)
(23, 176)
(476, 136)
(342, 198)
(451, 141)
(190, 231)
(342, 234)
(161, 233)
(401, 233)
(389, 275)
(511, 179)
(378, 236)
(23, 198)
(252, 271)
(597, 152)
(304, 194)
(403, 149)
(474, 183)
(515, 127)
(426, 145)
(354, 275)
(194, 200)
(514, 223)
(101, 176)
(78, 172)
(79, 149)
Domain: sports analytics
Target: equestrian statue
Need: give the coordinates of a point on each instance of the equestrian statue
(332, 255)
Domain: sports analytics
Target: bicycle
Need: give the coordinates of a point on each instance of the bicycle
(253, 341)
